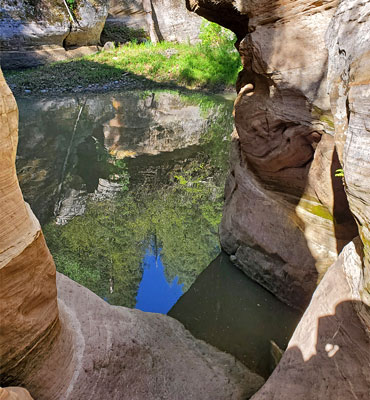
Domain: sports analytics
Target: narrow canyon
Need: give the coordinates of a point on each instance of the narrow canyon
(296, 218)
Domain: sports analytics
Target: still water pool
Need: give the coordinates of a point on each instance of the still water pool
(128, 187)
(125, 181)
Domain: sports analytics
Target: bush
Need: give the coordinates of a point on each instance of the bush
(213, 35)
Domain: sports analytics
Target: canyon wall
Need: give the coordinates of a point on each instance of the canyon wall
(60, 341)
(33, 33)
(286, 217)
(303, 113)
(27, 272)
(162, 19)
(38, 32)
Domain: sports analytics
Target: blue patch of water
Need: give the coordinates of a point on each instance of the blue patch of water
(155, 294)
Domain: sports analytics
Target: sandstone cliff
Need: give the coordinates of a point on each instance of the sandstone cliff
(77, 346)
(286, 216)
(162, 19)
(32, 33)
(303, 112)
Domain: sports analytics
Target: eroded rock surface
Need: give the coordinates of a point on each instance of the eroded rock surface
(286, 216)
(128, 354)
(28, 305)
(348, 41)
(302, 112)
(32, 33)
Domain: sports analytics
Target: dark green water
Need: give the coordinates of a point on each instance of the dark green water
(235, 314)
(129, 190)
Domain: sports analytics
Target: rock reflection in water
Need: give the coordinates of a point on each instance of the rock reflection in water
(106, 173)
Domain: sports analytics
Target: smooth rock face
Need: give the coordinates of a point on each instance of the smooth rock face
(328, 356)
(128, 354)
(286, 216)
(33, 34)
(162, 19)
(79, 347)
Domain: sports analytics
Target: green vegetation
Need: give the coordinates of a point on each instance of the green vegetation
(71, 4)
(316, 209)
(339, 172)
(212, 63)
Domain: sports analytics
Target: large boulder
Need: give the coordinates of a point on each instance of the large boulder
(33, 33)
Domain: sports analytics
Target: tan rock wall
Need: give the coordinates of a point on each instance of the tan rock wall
(328, 356)
(286, 216)
(28, 306)
(36, 32)
(303, 111)
(162, 19)
(348, 41)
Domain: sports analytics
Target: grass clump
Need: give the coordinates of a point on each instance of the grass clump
(211, 63)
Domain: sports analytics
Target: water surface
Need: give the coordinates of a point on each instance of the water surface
(235, 314)
(129, 191)
(110, 174)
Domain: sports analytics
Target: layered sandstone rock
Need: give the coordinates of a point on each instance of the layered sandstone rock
(81, 347)
(162, 19)
(286, 216)
(28, 305)
(348, 41)
(286, 212)
(33, 33)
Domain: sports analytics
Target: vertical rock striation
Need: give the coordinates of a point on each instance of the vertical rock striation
(348, 41)
(162, 19)
(37, 32)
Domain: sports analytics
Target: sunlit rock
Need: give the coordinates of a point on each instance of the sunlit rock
(286, 216)
(14, 393)
(329, 353)
(161, 19)
(33, 33)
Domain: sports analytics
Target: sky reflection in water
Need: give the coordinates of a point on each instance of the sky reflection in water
(155, 294)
